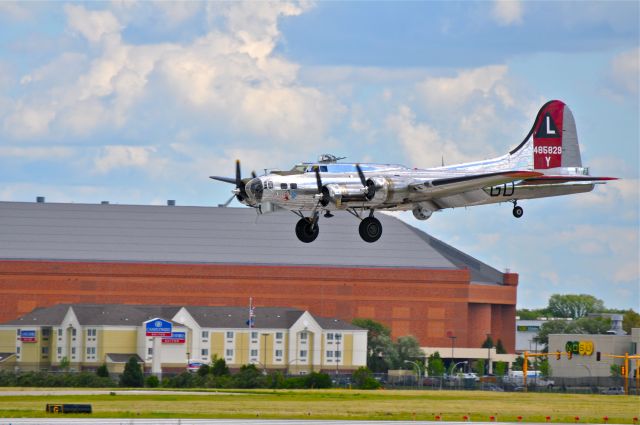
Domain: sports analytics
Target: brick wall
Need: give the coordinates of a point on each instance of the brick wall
(423, 303)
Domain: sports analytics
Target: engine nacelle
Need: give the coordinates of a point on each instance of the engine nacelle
(356, 193)
(422, 213)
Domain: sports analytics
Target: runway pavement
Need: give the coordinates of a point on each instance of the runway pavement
(88, 421)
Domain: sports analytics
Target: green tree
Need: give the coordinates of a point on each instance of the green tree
(544, 367)
(500, 369)
(630, 320)
(103, 371)
(526, 314)
(584, 325)
(382, 352)
(132, 375)
(478, 367)
(65, 363)
(219, 368)
(500, 348)
(364, 380)
(248, 377)
(407, 348)
(616, 370)
(574, 306)
(435, 365)
(488, 342)
(517, 365)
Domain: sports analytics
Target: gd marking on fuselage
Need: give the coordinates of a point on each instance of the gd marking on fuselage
(546, 163)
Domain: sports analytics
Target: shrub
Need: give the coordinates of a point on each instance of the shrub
(219, 368)
(203, 370)
(317, 380)
(152, 381)
(249, 377)
(363, 379)
(132, 375)
(103, 371)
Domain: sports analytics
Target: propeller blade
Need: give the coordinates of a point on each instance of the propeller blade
(363, 179)
(238, 175)
(224, 179)
(227, 203)
(318, 180)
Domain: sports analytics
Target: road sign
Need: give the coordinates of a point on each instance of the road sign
(175, 338)
(158, 327)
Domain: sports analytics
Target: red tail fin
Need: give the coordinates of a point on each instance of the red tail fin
(547, 136)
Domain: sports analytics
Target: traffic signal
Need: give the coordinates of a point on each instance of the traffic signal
(558, 355)
(598, 356)
(569, 355)
(623, 371)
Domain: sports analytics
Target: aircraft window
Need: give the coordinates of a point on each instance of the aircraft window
(283, 185)
(270, 184)
(293, 185)
(323, 168)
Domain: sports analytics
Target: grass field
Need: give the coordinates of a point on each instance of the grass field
(343, 404)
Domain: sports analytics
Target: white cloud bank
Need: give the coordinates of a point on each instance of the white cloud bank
(508, 12)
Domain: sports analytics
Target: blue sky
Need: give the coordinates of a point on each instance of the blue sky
(138, 102)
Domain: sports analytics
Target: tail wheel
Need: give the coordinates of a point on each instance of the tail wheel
(370, 229)
(518, 212)
(306, 231)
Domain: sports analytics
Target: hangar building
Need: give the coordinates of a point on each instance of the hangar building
(52, 253)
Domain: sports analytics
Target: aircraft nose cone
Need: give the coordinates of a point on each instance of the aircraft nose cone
(254, 189)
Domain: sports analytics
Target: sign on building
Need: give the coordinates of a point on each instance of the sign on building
(175, 338)
(158, 327)
(28, 336)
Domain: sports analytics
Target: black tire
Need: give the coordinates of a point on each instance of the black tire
(370, 229)
(305, 231)
(518, 212)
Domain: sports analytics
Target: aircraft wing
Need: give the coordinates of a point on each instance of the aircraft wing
(454, 185)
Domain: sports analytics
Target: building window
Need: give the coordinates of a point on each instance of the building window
(91, 351)
(254, 353)
(59, 332)
(45, 351)
(329, 337)
(338, 354)
(303, 354)
(73, 331)
(230, 335)
(278, 335)
(205, 334)
(278, 353)
(329, 354)
(229, 352)
(338, 337)
(150, 351)
(45, 331)
(91, 332)
(59, 351)
(18, 332)
(254, 335)
(204, 352)
(303, 336)
(18, 350)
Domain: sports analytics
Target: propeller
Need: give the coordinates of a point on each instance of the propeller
(370, 187)
(324, 201)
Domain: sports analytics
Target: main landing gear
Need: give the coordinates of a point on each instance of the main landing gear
(307, 228)
(517, 211)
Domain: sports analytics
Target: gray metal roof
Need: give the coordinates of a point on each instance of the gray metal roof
(175, 234)
(205, 316)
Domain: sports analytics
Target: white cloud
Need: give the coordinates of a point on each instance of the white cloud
(26, 120)
(422, 144)
(508, 12)
(115, 156)
(94, 25)
(15, 10)
(625, 72)
(36, 153)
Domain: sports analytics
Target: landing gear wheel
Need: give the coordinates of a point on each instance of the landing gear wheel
(306, 231)
(370, 229)
(518, 211)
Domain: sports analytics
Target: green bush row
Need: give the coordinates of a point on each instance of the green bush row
(47, 379)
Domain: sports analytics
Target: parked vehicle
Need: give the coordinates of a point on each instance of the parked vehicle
(194, 365)
(613, 391)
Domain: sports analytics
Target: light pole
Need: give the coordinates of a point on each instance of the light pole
(453, 343)
(418, 371)
(489, 353)
(456, 365)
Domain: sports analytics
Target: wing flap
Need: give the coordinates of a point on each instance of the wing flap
(453, 185)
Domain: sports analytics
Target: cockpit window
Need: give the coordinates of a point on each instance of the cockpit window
(270, 184)
(312, 168)
(283, 185)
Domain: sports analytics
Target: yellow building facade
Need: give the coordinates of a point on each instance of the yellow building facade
(83, 337)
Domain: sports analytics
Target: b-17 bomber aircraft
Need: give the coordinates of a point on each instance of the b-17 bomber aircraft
(546, 163)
